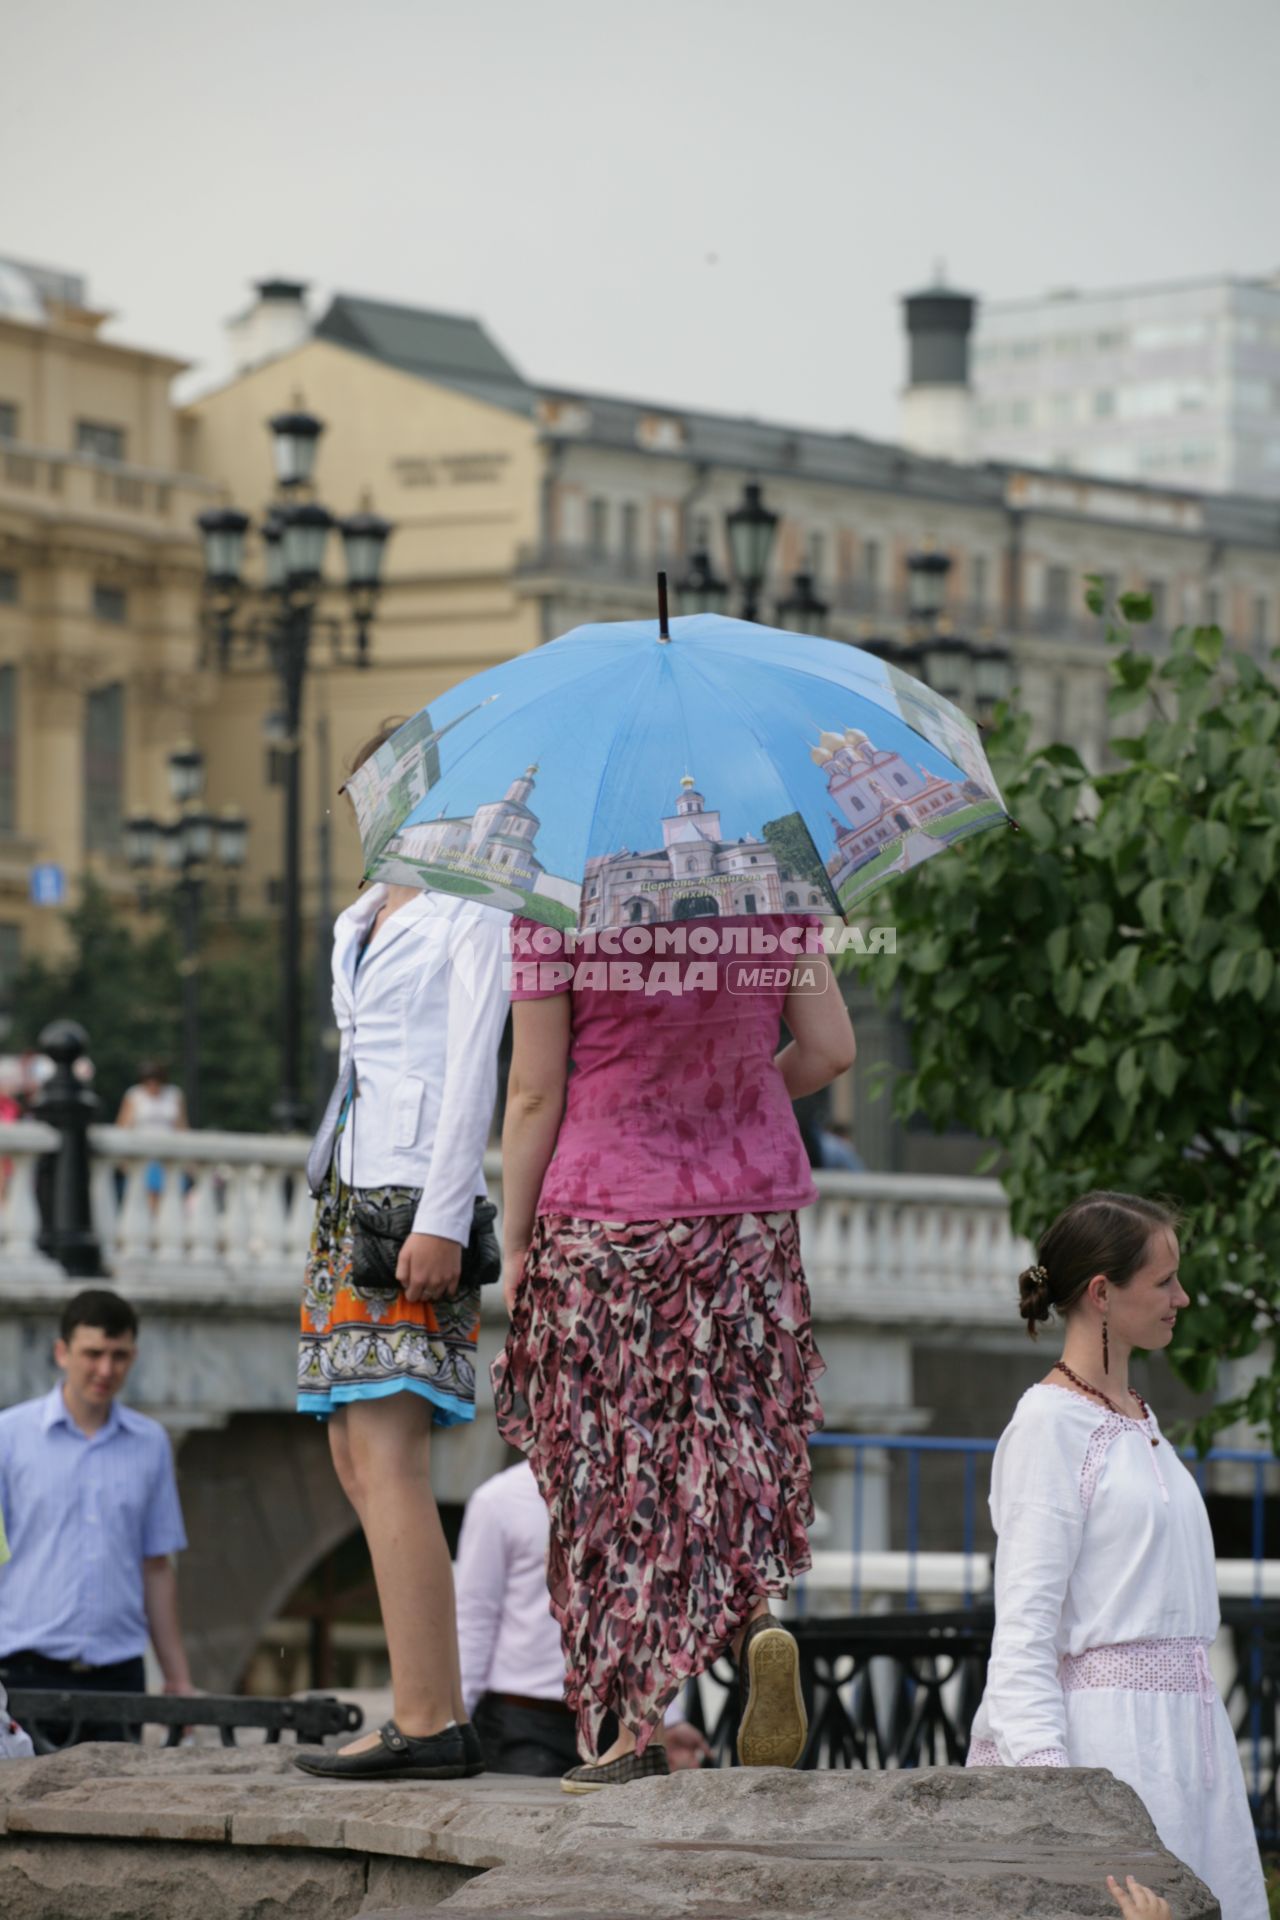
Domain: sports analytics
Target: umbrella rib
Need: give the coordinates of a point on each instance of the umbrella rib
(748, 718)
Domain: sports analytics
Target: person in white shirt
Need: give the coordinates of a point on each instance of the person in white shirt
(1106, 1586)
(509, 1641)
(508, 1638)
(420, 1001)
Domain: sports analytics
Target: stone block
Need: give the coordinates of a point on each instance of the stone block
(65, 1879)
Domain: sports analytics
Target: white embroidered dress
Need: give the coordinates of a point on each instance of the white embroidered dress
(1106, 1606)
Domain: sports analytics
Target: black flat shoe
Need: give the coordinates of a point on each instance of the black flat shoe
(473, 1752)
(591, 1777)
(397, 1756)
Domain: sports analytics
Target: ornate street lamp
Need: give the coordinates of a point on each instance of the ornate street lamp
(188, 846)
(927, 572)
(273, 623)
(751, 528)
(702, 590)
(802, 610)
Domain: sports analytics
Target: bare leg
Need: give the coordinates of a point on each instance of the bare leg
(382, 1452)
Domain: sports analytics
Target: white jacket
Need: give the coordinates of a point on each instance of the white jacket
(422, 1020)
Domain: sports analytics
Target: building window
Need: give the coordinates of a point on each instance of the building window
(1261, 621)
(700, 533)
(749, 904)
(10, 587)
(111, 604)
(598, 526)
(630, 529)
(818, 556)
(666, 523)
(104, 770)
(1212, 607)
(1057, 592)
(1104, 404)
(871, 565)
(1156, 589)
(8, 420)
(8, 748)
(1020, 414)
(99, 441)
(978, 574)
(792, 900)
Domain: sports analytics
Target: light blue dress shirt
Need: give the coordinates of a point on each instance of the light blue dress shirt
(82, 1513)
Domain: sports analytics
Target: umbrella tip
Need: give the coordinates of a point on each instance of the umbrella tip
(664, 630)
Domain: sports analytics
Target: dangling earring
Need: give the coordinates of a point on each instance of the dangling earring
(1106, 1352)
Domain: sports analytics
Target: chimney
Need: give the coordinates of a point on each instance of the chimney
(277, 322)
(937, 402)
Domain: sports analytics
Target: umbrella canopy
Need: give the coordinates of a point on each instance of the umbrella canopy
(616, 777)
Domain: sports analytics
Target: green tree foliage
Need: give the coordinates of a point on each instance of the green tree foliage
(794, 850)
(1098, 992)
(125, 989)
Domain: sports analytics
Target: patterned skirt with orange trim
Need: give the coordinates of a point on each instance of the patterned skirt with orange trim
(363, 1343)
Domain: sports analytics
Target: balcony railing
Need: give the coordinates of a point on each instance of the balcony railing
(74, 483)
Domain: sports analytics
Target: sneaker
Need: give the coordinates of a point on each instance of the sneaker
(773, 1725)
(592, 1776)
(397, 1756)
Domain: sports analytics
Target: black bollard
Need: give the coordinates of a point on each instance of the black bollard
(67, 1225)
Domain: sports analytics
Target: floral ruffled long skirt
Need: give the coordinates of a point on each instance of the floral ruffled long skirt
(660, 1375)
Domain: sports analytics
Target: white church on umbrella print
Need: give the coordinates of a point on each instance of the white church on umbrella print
(890, 814)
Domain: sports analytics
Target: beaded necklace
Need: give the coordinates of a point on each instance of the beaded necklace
(1098, 1394)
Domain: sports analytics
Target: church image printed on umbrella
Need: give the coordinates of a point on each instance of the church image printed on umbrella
(489, 854)
(697, 874)
(891, 815)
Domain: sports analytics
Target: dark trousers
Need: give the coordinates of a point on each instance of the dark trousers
(33, 1672)
(525, 1739)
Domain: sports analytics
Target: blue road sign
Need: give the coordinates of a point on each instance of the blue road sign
(48, 886)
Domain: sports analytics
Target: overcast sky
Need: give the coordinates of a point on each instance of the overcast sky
(709, 201)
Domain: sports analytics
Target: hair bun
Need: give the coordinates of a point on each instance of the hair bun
(1034, 1300)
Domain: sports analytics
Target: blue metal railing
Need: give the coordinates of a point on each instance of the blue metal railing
(916, 1447)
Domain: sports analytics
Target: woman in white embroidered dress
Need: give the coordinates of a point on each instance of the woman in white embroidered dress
(1106, 1596)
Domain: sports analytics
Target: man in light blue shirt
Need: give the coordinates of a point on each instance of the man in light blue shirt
(90, 1507)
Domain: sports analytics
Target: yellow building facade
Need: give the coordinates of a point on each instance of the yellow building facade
(458, 475)
(99, 578)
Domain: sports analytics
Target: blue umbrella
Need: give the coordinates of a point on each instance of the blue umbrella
(619, 776)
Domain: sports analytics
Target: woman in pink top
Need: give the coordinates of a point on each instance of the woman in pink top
(660, 1368)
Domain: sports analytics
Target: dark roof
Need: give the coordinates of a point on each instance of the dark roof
(449, 348)
(456, 351)
(802, 453)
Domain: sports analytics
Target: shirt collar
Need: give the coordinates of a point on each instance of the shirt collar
(56, 1414)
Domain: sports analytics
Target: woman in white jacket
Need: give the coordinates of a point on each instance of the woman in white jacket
(1106, 1591)
(420, 1001)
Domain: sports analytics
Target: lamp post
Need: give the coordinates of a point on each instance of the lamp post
(802, 610)
(975, 678)
(189, 846)
(274, 622)
(751, 528)
(701, 590)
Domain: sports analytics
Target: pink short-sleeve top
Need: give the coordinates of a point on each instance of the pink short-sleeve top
(674, 1105)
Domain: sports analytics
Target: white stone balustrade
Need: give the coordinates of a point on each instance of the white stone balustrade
(888, 1248)
(21, 1144)
(910, 1248)
(233, 1208)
